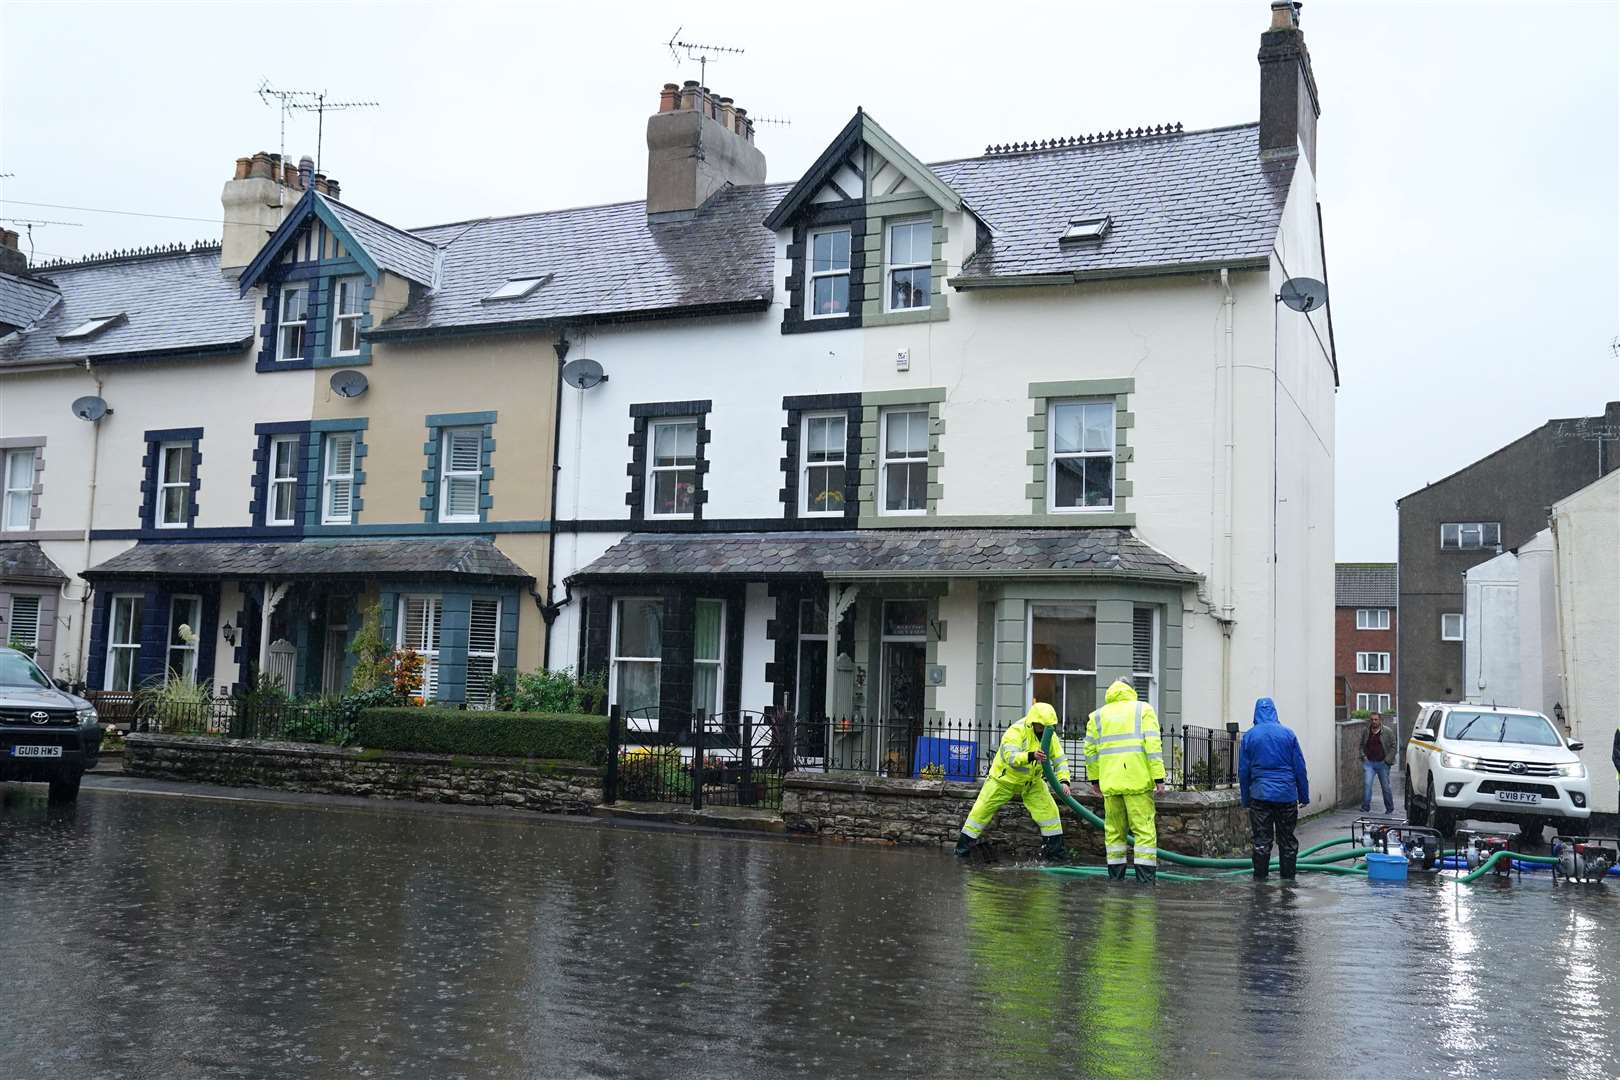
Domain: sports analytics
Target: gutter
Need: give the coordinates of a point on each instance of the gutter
(557, 322)
(1073, 277)
(221, 350)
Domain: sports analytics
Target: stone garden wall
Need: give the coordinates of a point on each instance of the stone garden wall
(549, 787)
(931, 812)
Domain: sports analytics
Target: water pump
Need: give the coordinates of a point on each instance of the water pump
(1584, 859)
(1479, 847)
(1419, 844)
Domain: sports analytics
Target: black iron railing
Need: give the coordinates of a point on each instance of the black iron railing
(238, 718)
(724, 759)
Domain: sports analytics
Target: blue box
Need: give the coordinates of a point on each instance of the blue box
(958, 757)
(1381, 867)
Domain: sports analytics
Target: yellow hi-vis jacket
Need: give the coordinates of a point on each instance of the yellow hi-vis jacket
(1015, 762)
(1123, 753)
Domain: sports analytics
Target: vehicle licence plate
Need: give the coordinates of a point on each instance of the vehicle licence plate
(1518, 796)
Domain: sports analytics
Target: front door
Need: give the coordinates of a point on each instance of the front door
(337, 645)
(905, 654)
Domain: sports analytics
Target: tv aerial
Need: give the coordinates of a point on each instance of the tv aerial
(698, 52)
(348, 383)
(91, 408)
(583, 373)
(1303, 294)
(306, 101)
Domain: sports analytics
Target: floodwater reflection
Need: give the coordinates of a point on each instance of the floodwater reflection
(179, 937)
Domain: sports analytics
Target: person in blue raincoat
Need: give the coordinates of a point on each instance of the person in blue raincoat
(1272, 781)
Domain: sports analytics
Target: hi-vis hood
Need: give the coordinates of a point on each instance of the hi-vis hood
(1120, 690)
(1264, 711)
(1041, 713)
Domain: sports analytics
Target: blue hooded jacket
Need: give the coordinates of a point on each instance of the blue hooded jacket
(1271, 767)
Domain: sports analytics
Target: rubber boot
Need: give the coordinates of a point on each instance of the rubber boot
(964, 845)
(1147, 875)
(1116, 871)
(1262, 866)
(1052, 849)
(1286, 865)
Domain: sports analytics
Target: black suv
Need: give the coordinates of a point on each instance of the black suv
(46, 734)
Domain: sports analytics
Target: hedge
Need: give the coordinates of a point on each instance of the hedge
(558, 736)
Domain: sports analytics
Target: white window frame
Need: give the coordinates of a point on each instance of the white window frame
(1462, 530)
(340, 317)
(170, 648)
(10, 633)
(329, 478)
(653, 468)
(1372, 618)
(429, 651)
(273, 482)
(1152, 674)
(806, 465)
(1462, 625)
(719, 665)
(882, 493)
(448, 474)
(283, 326)
(1053, 456)
(492, 654)
(134, 602)
(812, 275)
(8, 496)
(890, 266)
(1030, 670)
(631, 723)
(1372, 663)
(164, 483)
(824, 639)
(1378, 703)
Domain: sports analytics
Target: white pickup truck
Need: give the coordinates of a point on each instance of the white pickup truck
(1493, 764)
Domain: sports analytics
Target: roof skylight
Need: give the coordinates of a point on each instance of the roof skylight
(517, 288)
(1088, 228)
(91, 327)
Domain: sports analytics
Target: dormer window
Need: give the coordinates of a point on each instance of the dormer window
(294, 312)
(91, 327)
(348, 296)
(1087, 228)
(518, 288)
(909, 270)
(829, 274)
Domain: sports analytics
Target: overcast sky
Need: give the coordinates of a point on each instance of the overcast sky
(1467, 152)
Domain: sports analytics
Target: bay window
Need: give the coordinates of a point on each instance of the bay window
(1062, 661)
(185, 620)
(123, 642)
(483, 651)
(420, 620)
(638, 649)
(708, 657)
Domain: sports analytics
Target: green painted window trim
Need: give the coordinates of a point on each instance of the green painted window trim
(1041, 397)
(881, 212)
(874, 404)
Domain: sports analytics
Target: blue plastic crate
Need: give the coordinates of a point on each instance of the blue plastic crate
(958, 757)
(1381, 867)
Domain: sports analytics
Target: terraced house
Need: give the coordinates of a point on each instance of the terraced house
(890, 440)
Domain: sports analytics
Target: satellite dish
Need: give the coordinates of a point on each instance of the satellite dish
(90, 408)
(348, 384)
(584, 373)
(1303, 293)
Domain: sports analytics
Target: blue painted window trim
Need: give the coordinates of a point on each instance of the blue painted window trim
(456, 603)
(321, 276)
(154, 632)
(258, 505)
(315, 457)
(436, 423)
(149, 482)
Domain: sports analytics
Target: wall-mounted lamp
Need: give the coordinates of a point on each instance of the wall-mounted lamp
(1558, 714)
(228, 632)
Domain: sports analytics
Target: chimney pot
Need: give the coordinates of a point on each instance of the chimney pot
(332, 188)
(306, 173)
(686, 163)
(1284, 14)
(669, 99)
(263, 168)
(244, 165)
(321, 184)
(689, 95)
(728, 114)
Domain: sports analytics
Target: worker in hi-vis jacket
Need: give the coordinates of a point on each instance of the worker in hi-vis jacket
(1017, 773)
(1125, 761)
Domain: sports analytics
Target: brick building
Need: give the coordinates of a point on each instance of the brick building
(1364, 629)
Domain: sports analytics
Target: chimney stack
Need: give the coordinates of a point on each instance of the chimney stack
(12, 260)
(1288, 102)
(697, 143)
(254, 205)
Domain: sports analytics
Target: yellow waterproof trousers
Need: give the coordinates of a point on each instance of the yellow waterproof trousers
(995, 794)
(1133, 813)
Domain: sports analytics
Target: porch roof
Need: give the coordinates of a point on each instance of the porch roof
(24, 560)
(888, 553)
(459, 557)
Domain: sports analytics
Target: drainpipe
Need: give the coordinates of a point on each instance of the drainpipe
(1229, 455)
(89, 519)
(549, 608)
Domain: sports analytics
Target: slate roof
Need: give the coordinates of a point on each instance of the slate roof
(1365, 585)
(1187, 199)
(22, 560)
(174, 303)
(888, 553)
(459, 557)
(24, 299)
(403, 253)
(606, 260)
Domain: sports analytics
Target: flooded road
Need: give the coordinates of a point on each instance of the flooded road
(177, 937)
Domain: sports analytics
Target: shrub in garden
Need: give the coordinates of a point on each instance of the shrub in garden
(560, 692)
(494, 734)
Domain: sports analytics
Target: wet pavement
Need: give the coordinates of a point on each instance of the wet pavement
(181, 937)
